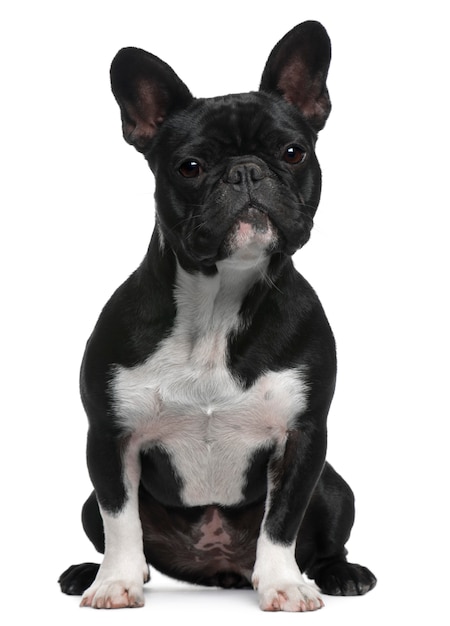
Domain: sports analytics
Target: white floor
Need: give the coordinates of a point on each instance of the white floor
(178, 602)
(172, 600)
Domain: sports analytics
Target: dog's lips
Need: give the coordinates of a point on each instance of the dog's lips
(251, 235)
(253, 232)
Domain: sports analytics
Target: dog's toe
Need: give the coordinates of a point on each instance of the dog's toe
(291, 598)
(113, 595)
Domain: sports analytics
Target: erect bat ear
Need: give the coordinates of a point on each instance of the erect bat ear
(147, 91)
(297, 69)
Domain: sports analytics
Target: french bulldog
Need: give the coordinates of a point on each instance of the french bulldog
(208, 377)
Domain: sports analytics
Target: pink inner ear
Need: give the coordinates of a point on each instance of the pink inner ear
(151, 105)
(308, 94)
(141, 133)
(145, 116)
(297, 87)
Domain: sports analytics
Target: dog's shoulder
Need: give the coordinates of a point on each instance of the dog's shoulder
(284, 326)
(131, 324)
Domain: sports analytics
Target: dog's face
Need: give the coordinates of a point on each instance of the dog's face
(236, 176)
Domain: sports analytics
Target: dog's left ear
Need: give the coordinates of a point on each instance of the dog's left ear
(297, 68)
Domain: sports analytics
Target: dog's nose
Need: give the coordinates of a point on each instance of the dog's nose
(244, 174)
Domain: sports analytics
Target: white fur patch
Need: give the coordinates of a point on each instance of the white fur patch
(184, 399)
(280, 584)
(119, 581)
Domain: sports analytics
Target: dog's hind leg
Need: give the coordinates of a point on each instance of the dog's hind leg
(321, 551)
(77, 578)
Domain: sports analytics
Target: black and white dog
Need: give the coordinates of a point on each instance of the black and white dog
(209, 375)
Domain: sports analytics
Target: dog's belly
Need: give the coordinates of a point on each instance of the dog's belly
(209, 545)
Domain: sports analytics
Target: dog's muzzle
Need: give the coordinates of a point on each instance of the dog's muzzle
(251, 235)
(252, 232)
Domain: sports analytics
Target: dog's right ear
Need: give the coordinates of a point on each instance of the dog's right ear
(147, 90)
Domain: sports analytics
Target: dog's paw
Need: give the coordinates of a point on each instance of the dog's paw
(109, 591)
(77, 578)
(280, 584)
(289, 597)
(345, 579)
(114, 594)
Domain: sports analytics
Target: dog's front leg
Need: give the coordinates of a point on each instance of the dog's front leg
(115, 472)
(292, 477)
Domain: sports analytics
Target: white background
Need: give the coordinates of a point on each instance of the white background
(76, 217)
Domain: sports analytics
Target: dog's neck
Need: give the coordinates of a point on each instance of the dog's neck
(211, 303)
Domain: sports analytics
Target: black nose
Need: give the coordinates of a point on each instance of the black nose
(244, 174)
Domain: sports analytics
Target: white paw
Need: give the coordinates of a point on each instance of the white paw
(109, 591)
(114, 594)
(289, 597)
(280, 584)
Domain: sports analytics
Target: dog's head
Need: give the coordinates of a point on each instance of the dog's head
(236, 176)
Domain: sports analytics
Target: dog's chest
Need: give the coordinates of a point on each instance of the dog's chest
(184, 400)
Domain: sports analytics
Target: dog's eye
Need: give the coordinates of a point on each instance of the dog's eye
(294, 155)
(190, 168)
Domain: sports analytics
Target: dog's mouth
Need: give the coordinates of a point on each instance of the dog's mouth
(251, 235)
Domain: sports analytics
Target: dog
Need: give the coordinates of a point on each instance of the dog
(209, 375)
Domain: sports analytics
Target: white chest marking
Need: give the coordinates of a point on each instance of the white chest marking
(184, 399)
